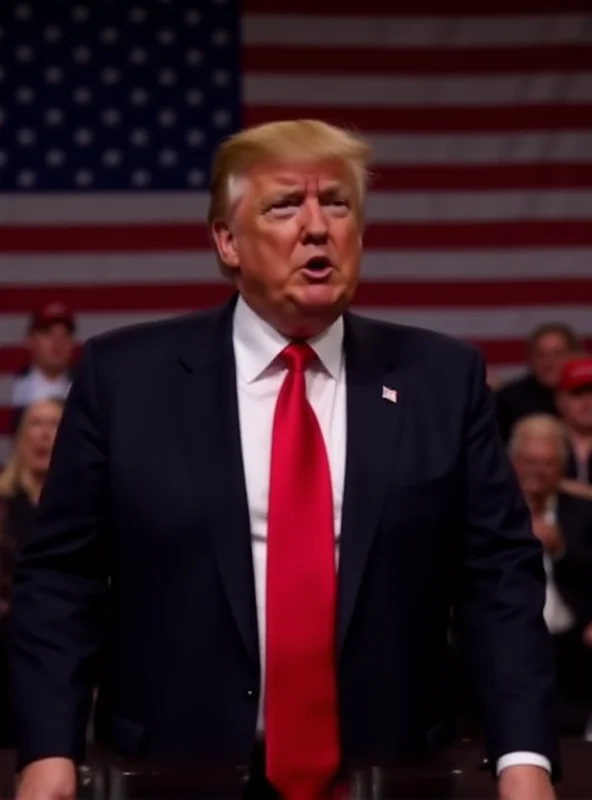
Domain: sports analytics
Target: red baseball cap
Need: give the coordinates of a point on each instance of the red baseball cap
(51, 314)
(576, 373)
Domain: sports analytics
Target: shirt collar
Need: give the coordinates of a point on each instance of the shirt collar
(257, 344)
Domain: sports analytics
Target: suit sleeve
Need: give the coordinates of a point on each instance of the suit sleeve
(502, 595)
(59, 587)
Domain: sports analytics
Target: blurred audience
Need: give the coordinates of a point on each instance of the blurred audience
(574, 401)
(51, 346)
(549, 347)
(562, 519)
(21, 483)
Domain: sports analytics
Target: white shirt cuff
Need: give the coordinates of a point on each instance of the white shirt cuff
(523, 759)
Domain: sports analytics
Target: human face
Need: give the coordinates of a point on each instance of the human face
(549, 354)
(51, 348)
(575, 408)
(40, 427)
(294, 240)
(538, 464)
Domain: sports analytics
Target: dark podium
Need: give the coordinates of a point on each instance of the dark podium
(456, 774)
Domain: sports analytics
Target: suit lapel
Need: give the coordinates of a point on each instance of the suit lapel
(209, 423)
(373, 425)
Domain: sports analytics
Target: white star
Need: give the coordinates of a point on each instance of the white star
(24, 53)
(111, 117)
(138, 56)
(109, 35)
(139, 97)
(167, 77)
(23, 11)
(83, 137)
(195, 137)
(52, 34)
(221, 77)
(220, 37)
(110, 76)
(137, 15)
(195, 177)
(80, 14)
(25, 95)
(221, 118)
(194, 97)
(193, 18)
(193, 57)
(54, 116)
(166, 36)
(26, 136)
(141, 177)
(139, 137)
(82, 95)
(81, 55)
(168, 157)
(167, 117)
(55, 157)
(111, 158)
(26, 178)
(84, 177)
(53, 75)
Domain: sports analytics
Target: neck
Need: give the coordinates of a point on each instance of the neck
(581, 442)
(537, 503)
(32, 483)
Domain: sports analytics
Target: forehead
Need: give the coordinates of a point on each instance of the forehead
(535, 447)
(315, 176)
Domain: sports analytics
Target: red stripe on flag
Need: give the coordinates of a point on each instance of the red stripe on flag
(403, 61)
(482, 177)
(430, 119)
(434, 8)
(378, 294)
(402, 236)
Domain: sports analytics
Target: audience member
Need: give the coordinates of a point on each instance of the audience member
(51, 345)
(562, 520)
(549, 347)
(574, 401)
(21, 482)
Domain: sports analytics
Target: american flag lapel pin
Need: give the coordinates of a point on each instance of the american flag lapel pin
(389, 394)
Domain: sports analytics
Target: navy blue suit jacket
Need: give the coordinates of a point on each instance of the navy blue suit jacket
(140, 569)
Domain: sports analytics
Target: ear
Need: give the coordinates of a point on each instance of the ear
(226, 243)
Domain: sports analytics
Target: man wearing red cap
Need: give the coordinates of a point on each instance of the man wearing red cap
(575, 406)
(51, 344)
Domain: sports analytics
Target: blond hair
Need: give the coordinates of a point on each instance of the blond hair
(282, 142)
(543, 427)
(15, 475)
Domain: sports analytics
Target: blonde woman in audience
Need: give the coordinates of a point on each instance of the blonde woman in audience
(21, 483)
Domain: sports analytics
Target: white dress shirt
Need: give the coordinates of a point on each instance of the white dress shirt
(34, 385)
(259, 377)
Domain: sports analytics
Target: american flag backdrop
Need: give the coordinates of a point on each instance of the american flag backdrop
(480, 213)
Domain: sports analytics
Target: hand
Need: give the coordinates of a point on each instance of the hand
(525, 782)
(587, 635)
(550, 535)
(48, 779)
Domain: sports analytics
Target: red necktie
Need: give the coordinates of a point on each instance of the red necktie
(301, 716)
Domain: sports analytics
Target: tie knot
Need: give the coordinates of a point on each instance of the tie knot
(298, 356)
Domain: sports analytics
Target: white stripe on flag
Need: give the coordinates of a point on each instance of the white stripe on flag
(497, 323)
(387, 206)
(201, 267)
(433, 91)
(393, 31)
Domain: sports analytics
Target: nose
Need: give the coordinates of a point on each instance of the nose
(315, 228)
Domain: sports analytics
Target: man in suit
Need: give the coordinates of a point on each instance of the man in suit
(276, 575)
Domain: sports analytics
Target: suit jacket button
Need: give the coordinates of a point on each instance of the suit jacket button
(250, 693)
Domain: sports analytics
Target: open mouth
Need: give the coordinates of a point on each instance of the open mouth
(318, 268)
